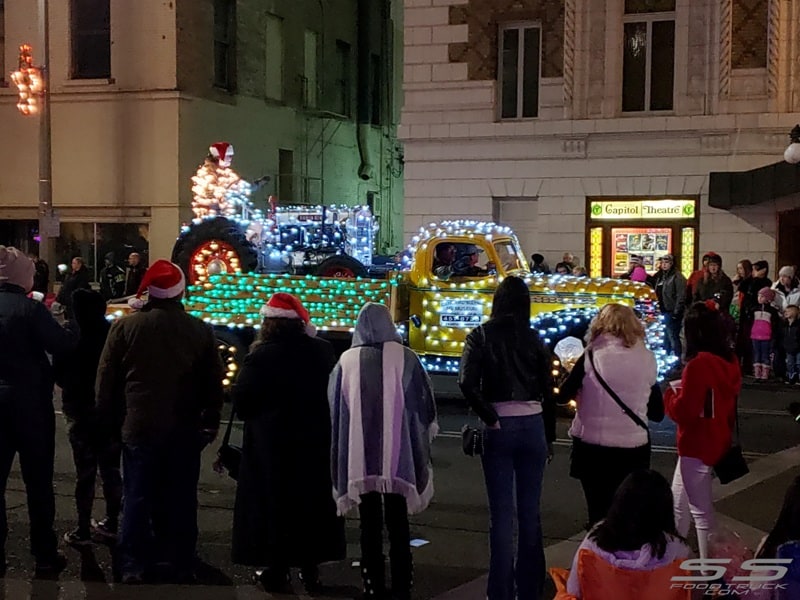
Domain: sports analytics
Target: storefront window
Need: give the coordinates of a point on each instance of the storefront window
(646, 243)
(92, 241)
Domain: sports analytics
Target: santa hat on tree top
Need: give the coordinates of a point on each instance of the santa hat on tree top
(162, 280)
(223, 152)
(286, 306)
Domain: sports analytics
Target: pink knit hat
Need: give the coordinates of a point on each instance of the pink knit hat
(768, 294)
(16, 268)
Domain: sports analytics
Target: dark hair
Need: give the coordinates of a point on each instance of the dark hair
(537, 259)
(641, 514)
(787, 526)
(277, 329)
(747, 266)
(705, 331)
(563, 265)
(512, 298)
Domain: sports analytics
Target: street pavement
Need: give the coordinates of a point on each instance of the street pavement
(451, 559)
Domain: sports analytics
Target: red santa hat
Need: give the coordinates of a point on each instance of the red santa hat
(223, 152)
(162, 280)
(286, 306)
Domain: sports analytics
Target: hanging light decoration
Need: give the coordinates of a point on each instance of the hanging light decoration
(29, 81)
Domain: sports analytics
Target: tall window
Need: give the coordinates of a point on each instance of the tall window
(225, 44)
(91, 39)
(310, 68)
(520, 53)
(274, 57)
(648, 62)
(343, 78)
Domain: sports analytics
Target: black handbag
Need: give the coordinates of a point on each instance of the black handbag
(472, 440)
(732, 465)
(229, 457)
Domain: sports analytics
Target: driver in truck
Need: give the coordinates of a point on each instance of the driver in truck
(466, 265)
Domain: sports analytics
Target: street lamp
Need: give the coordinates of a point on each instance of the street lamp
(792, 153)
(34, 99)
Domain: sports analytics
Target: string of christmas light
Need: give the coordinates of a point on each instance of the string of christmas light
(234, 300)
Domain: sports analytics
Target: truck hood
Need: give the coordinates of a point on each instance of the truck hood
(374, 326)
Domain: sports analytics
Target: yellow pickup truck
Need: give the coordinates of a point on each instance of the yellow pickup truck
(438, 291)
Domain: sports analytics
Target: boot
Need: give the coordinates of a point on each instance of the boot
(757, 371)
(374, 576)
(402, 568)
(765, 369)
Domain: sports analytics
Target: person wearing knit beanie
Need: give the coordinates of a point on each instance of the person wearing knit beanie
(786, 271)
(16, 268)
(27, 416)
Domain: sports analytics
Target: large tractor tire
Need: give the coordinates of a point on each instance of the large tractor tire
(214, 247)
(341, 266)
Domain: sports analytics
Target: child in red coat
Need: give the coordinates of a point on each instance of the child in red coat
(703, 405)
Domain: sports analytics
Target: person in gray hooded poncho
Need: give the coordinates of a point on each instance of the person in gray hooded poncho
(384, 419)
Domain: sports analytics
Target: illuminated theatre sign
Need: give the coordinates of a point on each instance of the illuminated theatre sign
(645, 210)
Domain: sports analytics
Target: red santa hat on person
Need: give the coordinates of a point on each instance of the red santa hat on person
(162, 280)
(223, 152)
(286, 306)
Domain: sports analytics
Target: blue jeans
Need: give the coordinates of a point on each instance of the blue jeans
(514, 459)
(672, 334)
(159, 518)
(761, 352)
(792, 364)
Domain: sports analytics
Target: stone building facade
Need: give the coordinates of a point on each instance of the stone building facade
(537, 112)
(141, 89)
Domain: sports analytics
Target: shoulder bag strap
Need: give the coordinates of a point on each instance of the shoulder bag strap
(735, 439)
(632, 415)
(226, 438)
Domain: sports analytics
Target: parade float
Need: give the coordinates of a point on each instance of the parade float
(236, 256)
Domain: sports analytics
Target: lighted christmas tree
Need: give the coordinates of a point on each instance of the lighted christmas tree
(218, 190)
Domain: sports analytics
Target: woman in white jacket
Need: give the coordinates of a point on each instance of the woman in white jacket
(610, 436)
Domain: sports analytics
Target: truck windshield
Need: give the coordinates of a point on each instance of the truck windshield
(510, 258)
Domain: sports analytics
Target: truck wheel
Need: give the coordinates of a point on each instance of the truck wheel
(214, 247)
(341, 266)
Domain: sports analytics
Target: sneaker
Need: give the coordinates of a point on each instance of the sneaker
(107, 528)
(51, 565)
(78, 537)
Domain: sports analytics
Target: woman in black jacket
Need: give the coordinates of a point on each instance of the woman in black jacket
(505, 377)
(285, 515)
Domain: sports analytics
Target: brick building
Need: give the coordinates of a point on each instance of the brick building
(303, 89)
(594, 126)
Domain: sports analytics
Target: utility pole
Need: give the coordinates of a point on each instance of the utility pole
(45, 150)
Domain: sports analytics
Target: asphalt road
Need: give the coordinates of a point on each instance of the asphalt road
(454, 527)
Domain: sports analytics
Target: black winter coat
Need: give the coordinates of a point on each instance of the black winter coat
(504, 362)
(284, 513)
(720, 289)
(790, 337)
(27, 333)
(76, 371)
(77, 280)
(159, 374)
